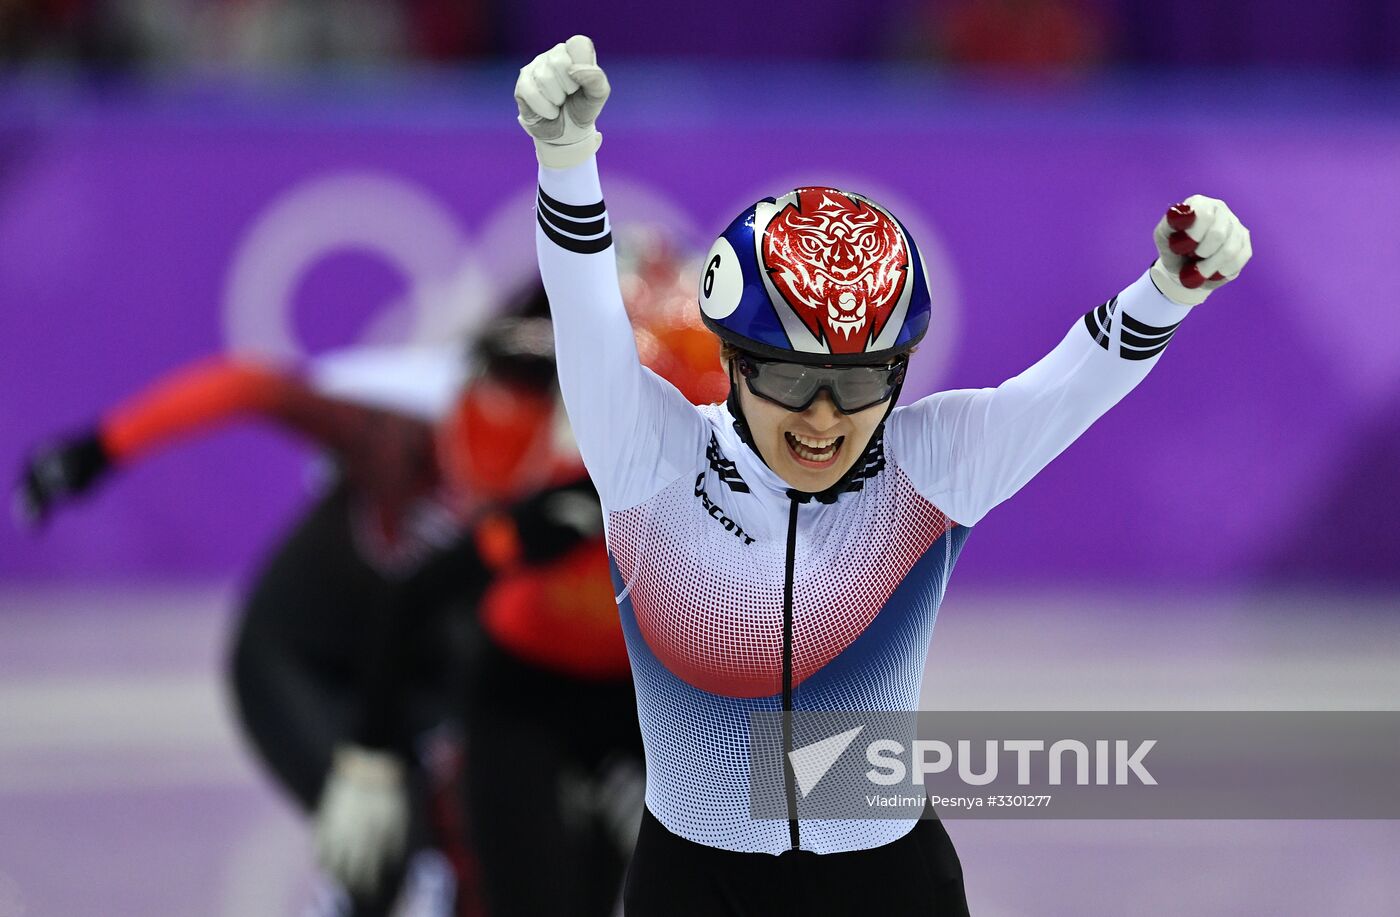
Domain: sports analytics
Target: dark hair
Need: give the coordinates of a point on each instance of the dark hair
(517, 350)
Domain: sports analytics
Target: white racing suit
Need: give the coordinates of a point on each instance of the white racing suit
(739, 595)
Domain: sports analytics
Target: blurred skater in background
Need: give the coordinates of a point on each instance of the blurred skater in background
(451, 580)
(345, 671)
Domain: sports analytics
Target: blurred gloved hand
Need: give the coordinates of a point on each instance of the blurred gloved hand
(362, 821)
(611, 798)
(1201, 246)
(56, 473)
(559, 94)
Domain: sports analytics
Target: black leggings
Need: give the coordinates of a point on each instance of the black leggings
(303, 659)
(917, 874)
(538, 744)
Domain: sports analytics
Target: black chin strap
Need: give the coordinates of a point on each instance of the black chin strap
(741, 427)
(741, 423)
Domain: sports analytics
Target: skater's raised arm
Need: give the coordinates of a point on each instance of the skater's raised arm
(636, 432)
(195, 397)
(379, 446)
(966, 451)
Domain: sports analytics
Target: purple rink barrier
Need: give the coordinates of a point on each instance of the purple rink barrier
(140, 230)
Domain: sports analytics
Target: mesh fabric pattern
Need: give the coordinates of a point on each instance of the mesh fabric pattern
(702, 612)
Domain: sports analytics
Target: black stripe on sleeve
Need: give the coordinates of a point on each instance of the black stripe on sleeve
(1100, 322)
(577, 211)
(572, 227)
(1128, 354)
(569, 243)
(1129, 339)
(1141, 341)
(1145, 329)
(1137, 340)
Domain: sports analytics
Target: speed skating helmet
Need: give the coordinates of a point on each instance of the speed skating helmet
(817, 276)
(498, 440)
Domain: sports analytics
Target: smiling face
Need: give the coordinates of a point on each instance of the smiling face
(811, 449)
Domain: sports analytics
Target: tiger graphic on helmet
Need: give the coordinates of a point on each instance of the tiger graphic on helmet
(839, 262)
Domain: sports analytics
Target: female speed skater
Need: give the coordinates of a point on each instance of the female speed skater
(787, 550)
(345, 666)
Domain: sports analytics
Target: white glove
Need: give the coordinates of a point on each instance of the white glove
(560, 94)
(362, 821)
(1202, 246)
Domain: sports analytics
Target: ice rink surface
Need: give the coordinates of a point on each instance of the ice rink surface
(125, 791)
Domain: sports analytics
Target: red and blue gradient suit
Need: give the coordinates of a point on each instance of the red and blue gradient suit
(739, 595)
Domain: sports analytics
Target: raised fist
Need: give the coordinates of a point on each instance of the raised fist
(1201, 246)
(559, 95)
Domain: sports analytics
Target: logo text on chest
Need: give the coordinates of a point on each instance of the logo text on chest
(716, 512)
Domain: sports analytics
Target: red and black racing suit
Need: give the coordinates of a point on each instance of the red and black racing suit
(343, 638)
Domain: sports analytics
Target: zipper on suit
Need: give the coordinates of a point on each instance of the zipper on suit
(789, 781)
